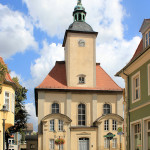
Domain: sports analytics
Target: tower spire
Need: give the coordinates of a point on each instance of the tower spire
(79, 12)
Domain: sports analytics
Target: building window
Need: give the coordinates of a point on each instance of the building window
(114, 125)
(55, 108)
(7, 100)
(106, 143)
(81, 80)
(137, 136)
(52, 128)
(136, 87)
(13, 102)
(32, 146)
(148, 79)
(148, 135)
(147, 39)
(106, 125)
(81, 114)
(114, 143)
(60, 125)
(106, 109)
(51, 144)
(61, 147)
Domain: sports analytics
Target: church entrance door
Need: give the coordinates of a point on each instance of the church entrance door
(83, 143)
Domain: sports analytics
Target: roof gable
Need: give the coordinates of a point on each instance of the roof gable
(56, 79)
(145, 25)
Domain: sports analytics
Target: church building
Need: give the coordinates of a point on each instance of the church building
(78, 103)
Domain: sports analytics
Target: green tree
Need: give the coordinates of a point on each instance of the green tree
(21, 114)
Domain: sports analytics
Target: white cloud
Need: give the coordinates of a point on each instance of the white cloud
(30, 107)
(49, 54)
(16, 32)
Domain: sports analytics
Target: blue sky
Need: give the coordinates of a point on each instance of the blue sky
(31, 34)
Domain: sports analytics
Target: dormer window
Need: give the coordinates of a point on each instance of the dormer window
(147, 39)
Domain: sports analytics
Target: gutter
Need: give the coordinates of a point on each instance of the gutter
(128, 109)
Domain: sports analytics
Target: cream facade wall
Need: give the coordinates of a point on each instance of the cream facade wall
(76, 64)
(10, 115)
(68, 102)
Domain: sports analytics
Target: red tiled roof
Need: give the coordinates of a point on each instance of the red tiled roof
(7, 76)
(138, 51)
(56, 79)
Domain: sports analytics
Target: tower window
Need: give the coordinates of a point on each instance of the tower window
(75, 17)
(79, 17)
(81, 80)
(83, 17)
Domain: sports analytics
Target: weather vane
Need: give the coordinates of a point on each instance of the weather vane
(79, 2)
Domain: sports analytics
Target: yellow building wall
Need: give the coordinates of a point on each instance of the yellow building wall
(80, 59)
(10, 116)
(69, 101)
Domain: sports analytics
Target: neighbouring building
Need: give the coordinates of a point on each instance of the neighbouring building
(78, 101)
(7, 98)
(137, 84)
(13, 143)
(32, 142)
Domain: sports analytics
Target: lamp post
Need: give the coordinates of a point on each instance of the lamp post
(4, 112)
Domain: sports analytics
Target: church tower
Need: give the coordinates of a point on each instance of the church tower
(80, 51)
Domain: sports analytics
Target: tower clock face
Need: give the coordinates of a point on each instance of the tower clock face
(81, 43)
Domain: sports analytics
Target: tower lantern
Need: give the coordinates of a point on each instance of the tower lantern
(79, 12)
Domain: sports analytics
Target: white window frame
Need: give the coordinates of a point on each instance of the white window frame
(114, 143)
(7, 98)
(51, 144)
(114, 125)
(106, 125)
(106, 143)
(134, 88)
(13, 103)
(147, 39)
(60, 125)
(148, 75)
(61, 146)
(52, 125)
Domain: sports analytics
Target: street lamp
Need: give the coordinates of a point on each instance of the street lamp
(4, 115)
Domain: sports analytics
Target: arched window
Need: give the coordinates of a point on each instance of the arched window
(81, 115)
(79, 17)
(75, 17)
(55, 108)
(106, 109)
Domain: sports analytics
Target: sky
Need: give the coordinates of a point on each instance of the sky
(32, 31)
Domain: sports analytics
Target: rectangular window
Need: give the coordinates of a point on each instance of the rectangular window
(147, 39)
(7, 100)
(61, 146)
(106, 125)
(148, 79)
(114, 143)
(52, 125)
(81, 79)
(137, 136)
(136, 87)
(114, 125)
(51, 144)
(32, 146)
(106, 143)
(13, 103)
(60, 125)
